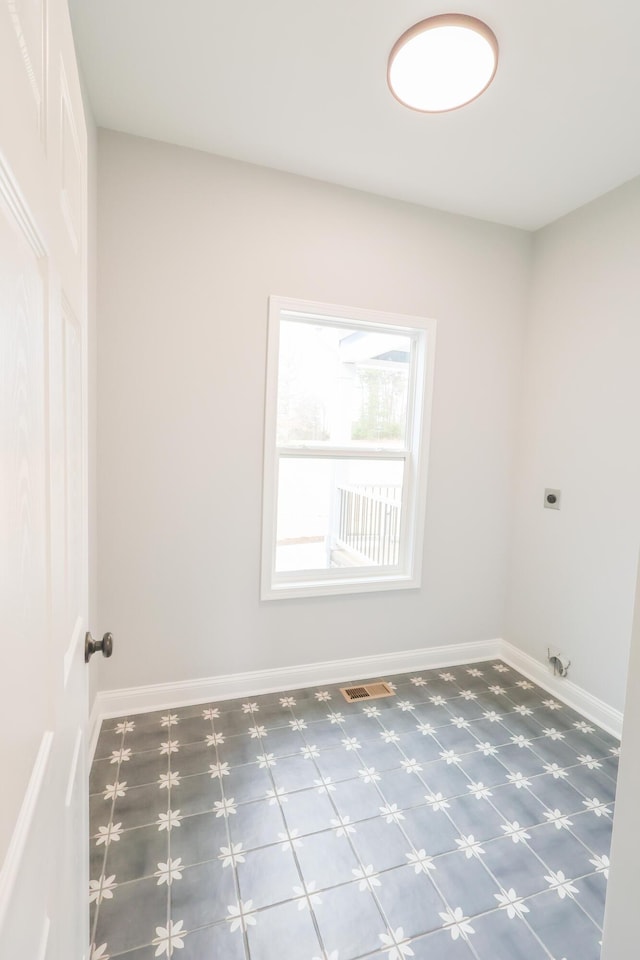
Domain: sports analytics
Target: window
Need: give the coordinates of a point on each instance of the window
(346, 438)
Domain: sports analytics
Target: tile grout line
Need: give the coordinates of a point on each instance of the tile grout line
(169, 807)
(303, 884)
(236, 879)
(92, 933)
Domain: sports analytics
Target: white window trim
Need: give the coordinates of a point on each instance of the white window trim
(351, 580)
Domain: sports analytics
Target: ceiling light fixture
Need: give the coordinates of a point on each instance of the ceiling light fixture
(442, 63)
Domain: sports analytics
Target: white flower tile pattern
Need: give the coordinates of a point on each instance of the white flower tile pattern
(459, 816)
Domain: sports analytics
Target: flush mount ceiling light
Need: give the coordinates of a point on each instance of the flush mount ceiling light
(443, 63)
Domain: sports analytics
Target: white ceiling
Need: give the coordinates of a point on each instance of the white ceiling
(300, 85)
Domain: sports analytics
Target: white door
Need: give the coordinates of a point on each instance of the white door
(43, 487)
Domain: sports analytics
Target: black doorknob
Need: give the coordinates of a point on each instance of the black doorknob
(92, 646)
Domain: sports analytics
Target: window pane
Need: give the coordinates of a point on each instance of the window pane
(342, 385)
(338, 513)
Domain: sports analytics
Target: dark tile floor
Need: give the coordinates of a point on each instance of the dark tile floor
(469, 816)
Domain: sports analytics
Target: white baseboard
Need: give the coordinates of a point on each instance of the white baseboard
(566, 690)
(161, 696)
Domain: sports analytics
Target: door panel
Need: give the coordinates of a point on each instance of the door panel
(43, 487)
(74, 457)
(29, 21)
(71, 166)
(23, 575)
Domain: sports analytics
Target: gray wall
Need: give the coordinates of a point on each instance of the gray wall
(573, 572)
(190, 247)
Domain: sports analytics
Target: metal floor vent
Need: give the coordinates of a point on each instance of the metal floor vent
(369, 691)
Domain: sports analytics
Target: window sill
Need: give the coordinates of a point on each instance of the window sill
(287, 590)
